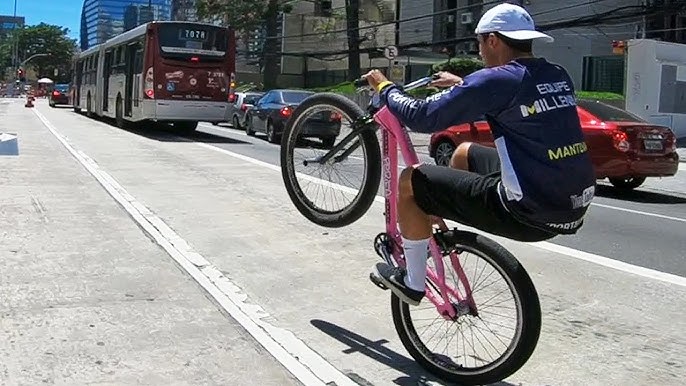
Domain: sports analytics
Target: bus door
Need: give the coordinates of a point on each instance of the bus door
(78, 70)
(129, 71)
(107, 71)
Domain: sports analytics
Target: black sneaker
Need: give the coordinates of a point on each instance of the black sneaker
(394, 279)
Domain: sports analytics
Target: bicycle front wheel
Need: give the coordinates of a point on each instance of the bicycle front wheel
(490, 339)
(313, 168)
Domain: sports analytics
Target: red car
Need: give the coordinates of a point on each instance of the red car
(59, 95)
(623, 147)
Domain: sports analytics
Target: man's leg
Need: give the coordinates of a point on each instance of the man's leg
(415, 223)
(415, 227)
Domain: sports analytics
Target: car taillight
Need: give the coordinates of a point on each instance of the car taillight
(335, 116)
(195, 59)
(56, 93)
(149, 84)
(672, 143)
(244, 107)
(232, 88)
(286, 111)
(620, 141)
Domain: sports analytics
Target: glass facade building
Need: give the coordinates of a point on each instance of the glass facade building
(104, 19)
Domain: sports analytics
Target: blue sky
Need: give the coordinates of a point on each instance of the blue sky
(65, 13)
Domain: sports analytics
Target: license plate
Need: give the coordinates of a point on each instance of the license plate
(652, 144)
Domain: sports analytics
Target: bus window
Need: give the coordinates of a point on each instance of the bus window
(183, 41)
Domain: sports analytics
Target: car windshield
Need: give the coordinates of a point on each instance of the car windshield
(605, 112)
(295, 96)
(251, 99)
(62, 87)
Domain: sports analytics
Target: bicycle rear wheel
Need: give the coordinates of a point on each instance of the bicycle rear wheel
(362, 141)
(474, 368)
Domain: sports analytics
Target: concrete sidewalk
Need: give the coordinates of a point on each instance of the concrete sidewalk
(86, 297)
(601, 325)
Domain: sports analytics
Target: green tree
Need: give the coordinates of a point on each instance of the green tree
(245, 16)
(458, 66)
(42, 39)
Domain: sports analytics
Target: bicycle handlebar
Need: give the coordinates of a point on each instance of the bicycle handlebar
(422, 82)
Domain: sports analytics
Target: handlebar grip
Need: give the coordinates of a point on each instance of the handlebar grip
(360, 82)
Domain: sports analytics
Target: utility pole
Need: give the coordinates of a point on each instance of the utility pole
(643, 20)
(15, 46)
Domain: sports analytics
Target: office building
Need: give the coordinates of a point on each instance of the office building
(104, 19)
(585, 51)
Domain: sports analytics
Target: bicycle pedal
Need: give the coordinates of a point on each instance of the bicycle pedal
(377, 282)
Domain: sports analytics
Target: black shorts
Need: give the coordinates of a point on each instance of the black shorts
(471, 197)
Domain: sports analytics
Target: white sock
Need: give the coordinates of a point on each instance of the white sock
(416, 252)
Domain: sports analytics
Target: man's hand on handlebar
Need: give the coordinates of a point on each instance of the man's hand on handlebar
(445, 79)
(374, 78)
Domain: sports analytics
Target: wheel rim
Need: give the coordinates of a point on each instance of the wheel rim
(444, 152)
(462, 368)
(346, 190)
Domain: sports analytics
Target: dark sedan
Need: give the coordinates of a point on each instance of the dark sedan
(59, 95)
(272, 111)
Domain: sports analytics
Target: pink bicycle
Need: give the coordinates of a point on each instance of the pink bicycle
(515, 330)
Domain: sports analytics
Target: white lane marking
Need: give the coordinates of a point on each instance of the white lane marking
(678, 219)
(615, 264)
(574, 253)
(304, 363)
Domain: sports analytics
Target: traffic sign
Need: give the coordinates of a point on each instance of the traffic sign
(390, 52)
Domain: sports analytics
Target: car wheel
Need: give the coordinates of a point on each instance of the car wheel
(271, 135)
(628, 183)
(248, 127)
(328, 141)
(444, 152)
(236, 123)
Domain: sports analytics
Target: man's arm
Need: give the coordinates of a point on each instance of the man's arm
(482, 92)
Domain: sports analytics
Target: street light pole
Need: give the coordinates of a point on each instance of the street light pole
(31, 57)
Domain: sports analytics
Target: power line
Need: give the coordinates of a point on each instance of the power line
(413, 18)
(584, 21)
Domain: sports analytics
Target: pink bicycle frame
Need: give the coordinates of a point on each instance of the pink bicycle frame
(394, 135)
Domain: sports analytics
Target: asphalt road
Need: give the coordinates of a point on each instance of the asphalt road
(137, 257)
(645, 227)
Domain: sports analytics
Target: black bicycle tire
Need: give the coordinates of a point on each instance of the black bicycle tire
(531, 318)
(370, 186)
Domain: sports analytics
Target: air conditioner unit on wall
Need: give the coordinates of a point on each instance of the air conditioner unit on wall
(466, 18)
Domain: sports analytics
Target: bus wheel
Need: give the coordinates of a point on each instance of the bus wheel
(185, 127)
(119, 114)
(89, 109)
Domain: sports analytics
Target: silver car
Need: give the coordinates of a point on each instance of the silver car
(236, 111)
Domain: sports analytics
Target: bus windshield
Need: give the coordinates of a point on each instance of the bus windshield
(183, 40)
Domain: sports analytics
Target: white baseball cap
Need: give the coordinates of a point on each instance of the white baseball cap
(511, 21)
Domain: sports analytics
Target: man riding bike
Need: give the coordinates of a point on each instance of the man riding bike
(538, 181)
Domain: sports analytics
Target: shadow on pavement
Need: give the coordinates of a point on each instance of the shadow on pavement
(415, 375)
(170, 135)
(641, 196)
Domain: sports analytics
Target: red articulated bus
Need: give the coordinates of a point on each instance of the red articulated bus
(170, 72)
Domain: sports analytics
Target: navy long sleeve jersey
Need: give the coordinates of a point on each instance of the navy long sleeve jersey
(547, 176)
